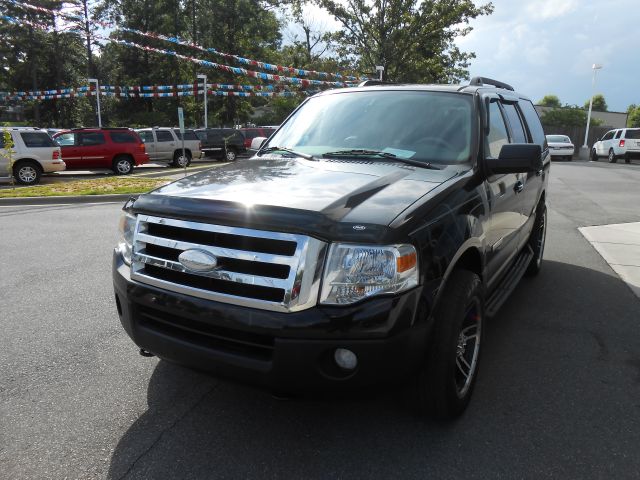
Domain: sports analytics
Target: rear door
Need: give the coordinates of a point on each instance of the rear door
(94, 150)
(71, 152)
(165, 145)
(149, 142)
(506, 217)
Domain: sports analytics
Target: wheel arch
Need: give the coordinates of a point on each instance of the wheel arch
(28, 160)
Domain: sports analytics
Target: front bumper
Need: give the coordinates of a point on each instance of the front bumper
(287, 352)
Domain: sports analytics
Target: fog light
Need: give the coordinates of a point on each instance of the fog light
(345, 358)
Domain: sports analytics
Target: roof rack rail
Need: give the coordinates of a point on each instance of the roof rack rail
(102, 128)
(371, 83)
(480, 81)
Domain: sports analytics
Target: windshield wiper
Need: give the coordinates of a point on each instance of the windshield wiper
(377, 153)
(285, 149)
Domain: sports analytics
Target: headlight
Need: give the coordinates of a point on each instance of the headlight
(127, 228)
(354, 272)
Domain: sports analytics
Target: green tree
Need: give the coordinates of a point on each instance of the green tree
(599, 103)
(550, 101)
(567, 117)
(414, 40)
(633, 119)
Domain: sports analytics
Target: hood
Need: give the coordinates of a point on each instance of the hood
(363, 192)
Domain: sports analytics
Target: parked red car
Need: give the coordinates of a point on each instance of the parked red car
(119, 149)
(253, 132)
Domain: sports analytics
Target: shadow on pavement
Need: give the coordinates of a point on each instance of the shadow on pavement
(558, 396)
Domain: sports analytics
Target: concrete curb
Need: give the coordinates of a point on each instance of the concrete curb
(58, 200)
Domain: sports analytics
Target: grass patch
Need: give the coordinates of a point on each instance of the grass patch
(101, 186)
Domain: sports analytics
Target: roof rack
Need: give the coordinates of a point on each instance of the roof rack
(480, 81)
(371, 83)
(101, 128)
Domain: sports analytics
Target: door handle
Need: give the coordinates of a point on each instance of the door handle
(519, 186)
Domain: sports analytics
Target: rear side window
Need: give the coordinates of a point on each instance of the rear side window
(123, 137)
(188, 135)
(164, 136)
(91, 138)
(201, 135)
(519, 136)
(618, 133)
(37, 140)
(66, 139)
(632, 134)
(250, 134)
(533, 122)
(497, 136)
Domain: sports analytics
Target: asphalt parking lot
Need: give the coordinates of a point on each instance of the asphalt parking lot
(558, 394)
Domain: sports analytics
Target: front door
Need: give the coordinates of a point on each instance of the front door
(149, 143)
(503, 190)
(71, 153)
(605, 143)
(93, 147)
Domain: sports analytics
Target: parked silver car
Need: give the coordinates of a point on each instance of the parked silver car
(165, 145)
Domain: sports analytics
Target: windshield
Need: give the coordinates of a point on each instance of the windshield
(432, 127)
(558, 139)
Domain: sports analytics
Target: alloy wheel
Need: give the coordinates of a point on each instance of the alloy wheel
(27, 174)
(468, 349)
(123, 166)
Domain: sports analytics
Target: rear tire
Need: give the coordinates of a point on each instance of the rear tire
(27, 172)
(537, 240)
(594, 155)
(627, 158)
(612, 156)
(447, 378)
(179, 161)
(122, 165)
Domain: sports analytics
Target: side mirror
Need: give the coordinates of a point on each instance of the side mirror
(517, 158)
(257, 142)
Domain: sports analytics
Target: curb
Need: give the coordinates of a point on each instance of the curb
(58, 200)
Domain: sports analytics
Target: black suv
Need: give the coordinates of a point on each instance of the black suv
(367, 241)
(224, 143)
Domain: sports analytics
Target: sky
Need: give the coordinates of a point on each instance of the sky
(545, 47)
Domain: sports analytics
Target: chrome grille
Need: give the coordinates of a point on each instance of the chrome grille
(261, 269)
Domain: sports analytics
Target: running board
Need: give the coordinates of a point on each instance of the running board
(509, 282)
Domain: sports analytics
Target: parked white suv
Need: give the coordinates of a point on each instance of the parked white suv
(619, 143)
(34, 153)
(165, 145)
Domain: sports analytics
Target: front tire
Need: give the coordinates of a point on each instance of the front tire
(27, 173)
(122, 165)
(612, 156)
(231, 155)
(448, 376)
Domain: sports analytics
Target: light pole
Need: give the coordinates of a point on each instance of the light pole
(204, 83)
(95, 80)
(595, 67)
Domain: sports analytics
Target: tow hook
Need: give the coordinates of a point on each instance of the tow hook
(144, 353)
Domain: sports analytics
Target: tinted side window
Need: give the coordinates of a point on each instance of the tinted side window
(37, 139)
(608, 135)
(146, 136)
(618, 133)
(632, 134)
(201, 135)
(533, 122)
(123, 137)
(497, 136)
(250, 134)
(188, 135)
(519, 136)
(66, 139)
(91, 138)
(164, 136)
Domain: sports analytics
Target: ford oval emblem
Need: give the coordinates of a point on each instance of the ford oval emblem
(359, 227)
(198, 260)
